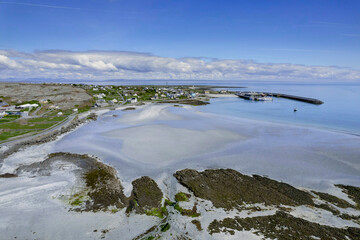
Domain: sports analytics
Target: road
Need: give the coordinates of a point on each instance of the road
(23, 138)
(123, 100)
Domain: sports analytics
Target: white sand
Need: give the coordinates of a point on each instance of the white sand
(158, 144)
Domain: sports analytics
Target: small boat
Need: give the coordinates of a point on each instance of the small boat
(295, 109)
(264, 99)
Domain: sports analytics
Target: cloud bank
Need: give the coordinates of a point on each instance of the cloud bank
(103, 65)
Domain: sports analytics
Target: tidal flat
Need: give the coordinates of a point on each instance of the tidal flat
(291, 165)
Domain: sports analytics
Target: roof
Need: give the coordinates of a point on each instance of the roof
(3, 104)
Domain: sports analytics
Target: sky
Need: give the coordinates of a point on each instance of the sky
(170, 39)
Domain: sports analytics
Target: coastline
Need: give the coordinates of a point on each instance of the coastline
(243, 121)
(61, 178)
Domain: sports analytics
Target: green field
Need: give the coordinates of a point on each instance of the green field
(14, 127)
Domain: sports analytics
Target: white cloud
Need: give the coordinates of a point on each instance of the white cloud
(6, 62)
(101, 65)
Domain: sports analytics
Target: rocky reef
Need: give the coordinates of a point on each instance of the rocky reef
(257, 204)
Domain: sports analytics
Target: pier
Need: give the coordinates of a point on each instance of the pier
(248, 95)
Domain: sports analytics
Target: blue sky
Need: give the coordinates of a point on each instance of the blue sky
(316, 32)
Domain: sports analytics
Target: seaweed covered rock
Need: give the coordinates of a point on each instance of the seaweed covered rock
(283, 226)
(227, 188)
(334, 200)
(353, 192)
(105, 189)
(145, 196)
(82, 161)
(8, 175)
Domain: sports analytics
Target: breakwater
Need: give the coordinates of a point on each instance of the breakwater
(246, 95)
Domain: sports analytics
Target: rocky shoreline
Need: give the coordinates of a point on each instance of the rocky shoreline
(226, 189)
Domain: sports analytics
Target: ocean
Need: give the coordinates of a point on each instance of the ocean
(340, 111)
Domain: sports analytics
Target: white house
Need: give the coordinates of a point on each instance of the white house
(100, 95)
(54, 107)
(132, 100)
(28, 105)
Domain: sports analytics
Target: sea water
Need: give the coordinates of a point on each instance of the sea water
(340, 111)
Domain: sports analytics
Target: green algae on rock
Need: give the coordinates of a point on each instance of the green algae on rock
(228, 189)
(283, 226)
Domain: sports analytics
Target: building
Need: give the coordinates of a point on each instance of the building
(113, 102)
(4, 104)
(132, 100)
(53, 107)
(192, 95)
(28, 105)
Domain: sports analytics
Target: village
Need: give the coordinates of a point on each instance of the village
(27, 116)
(114, 95)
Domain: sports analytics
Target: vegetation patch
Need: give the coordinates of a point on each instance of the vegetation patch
(282, 226)
(187, 212)
(157, 212)
(227, 188)
(165, 227)
(182, 197)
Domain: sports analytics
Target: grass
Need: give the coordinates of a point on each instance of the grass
(17, 125)
(9, 118)
(114, 210)
(84, 109)
(7, 135)
(182, 197)
(46, 119)
(14, 128)
(157, 212)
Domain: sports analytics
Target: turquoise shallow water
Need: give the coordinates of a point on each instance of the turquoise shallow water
(340, 111)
